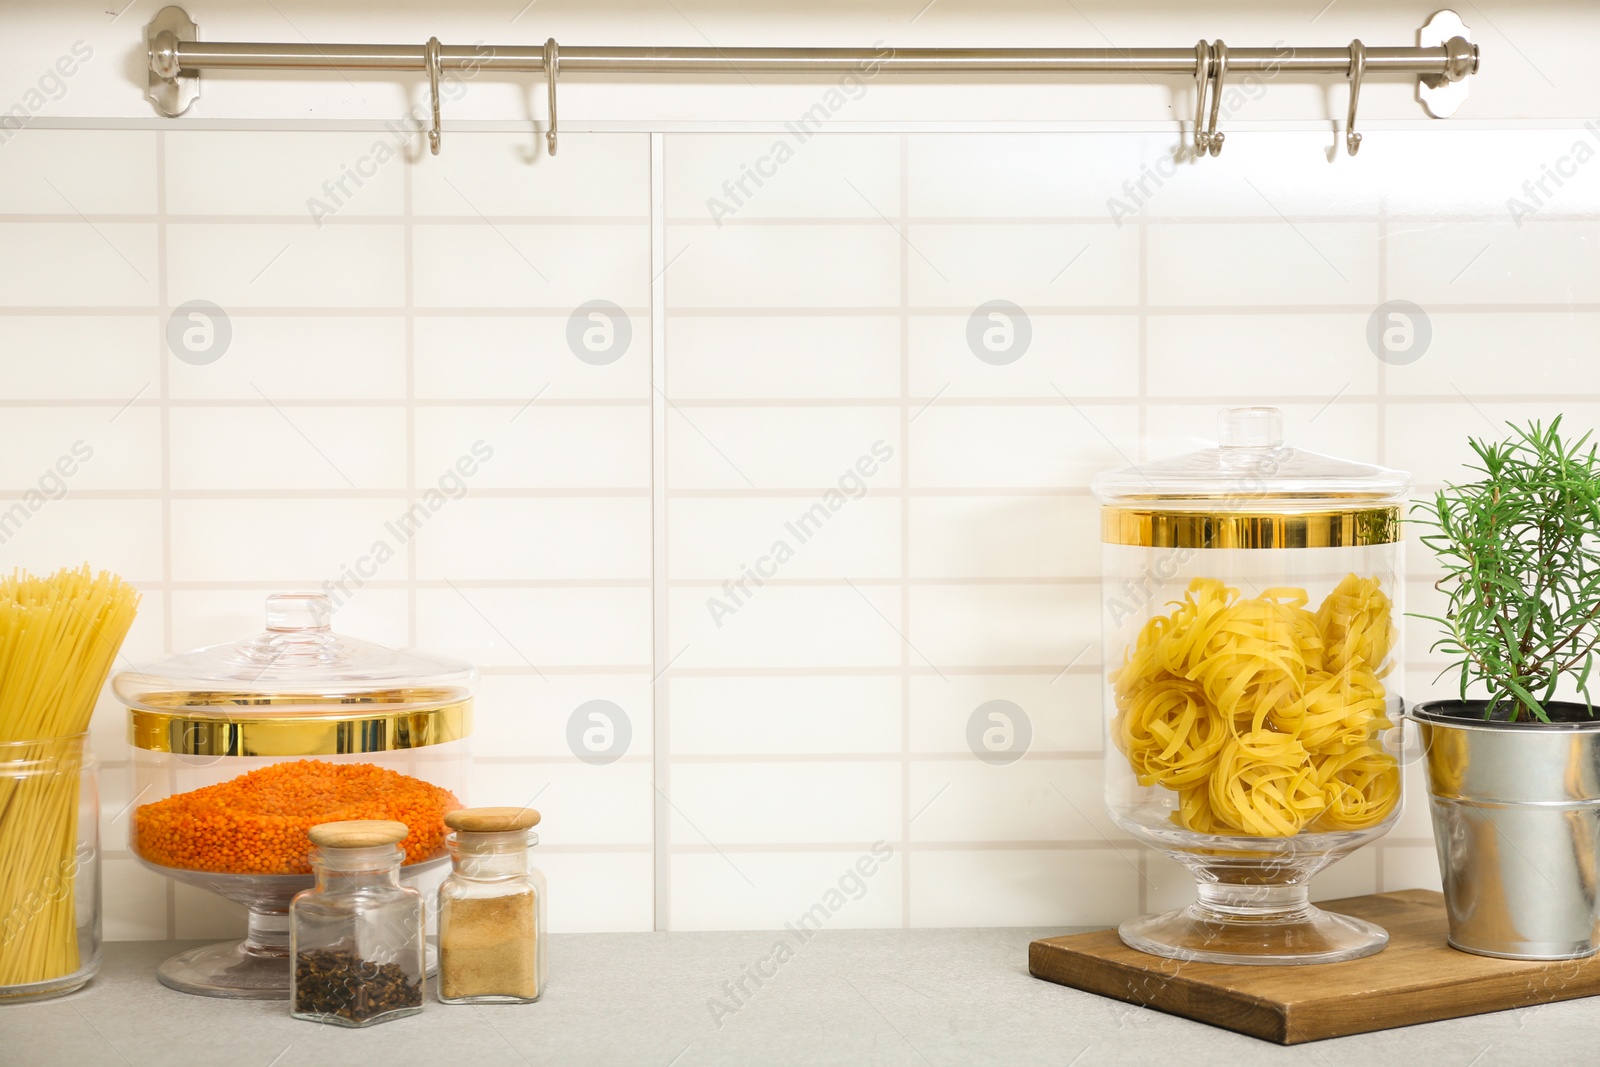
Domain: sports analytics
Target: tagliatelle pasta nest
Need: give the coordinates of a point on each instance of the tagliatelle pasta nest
(1262, 715)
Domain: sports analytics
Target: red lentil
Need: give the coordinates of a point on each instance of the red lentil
(256, 823)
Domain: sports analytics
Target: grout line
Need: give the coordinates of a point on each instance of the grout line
(906, 582)
(906, 870)
(904, 756)
(563, 758)
(163, 312)
(1380, 402)
(1142, 452)
(360, 403)
(801, 492)
(661, 650)
(409, 194)
(915, 403)
(919, 311)
(1048, 670)
(299, 221)
(1096, 844)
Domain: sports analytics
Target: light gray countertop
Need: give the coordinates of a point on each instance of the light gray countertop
(849, 997)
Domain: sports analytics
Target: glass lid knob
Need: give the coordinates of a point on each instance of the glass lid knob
(294, 612)
(1250, 427)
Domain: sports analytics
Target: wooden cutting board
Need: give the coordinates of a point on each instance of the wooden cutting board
(1418, 978)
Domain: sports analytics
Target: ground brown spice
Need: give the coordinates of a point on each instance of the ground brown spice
(489, 947)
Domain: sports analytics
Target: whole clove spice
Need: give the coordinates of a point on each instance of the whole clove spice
(343, 984)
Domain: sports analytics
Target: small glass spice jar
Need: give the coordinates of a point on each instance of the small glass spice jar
(357, 936)
(491, 910)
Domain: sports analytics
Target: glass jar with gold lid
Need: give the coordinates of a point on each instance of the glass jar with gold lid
(240, 748)
(1252, 609)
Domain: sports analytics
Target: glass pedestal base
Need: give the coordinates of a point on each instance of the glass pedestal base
(235, 970)
(238, 970)
(1265, 925)
(257, 968)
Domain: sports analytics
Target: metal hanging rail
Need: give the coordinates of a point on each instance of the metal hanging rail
(1443, 59)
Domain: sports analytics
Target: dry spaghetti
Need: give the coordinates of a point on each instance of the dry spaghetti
(1263, 716)
(58, 637)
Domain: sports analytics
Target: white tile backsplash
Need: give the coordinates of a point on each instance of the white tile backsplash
(114, 358)
(316, 176)
(849, 450)
(792, 627)
(1057, 706)
(1484, 354)
(550, 538)
(732, 803)
(525, 716)
(64, 172)
(962, 799)
(595, 176)
(727, 179)
(1026, 537)
(1023, 355)
(1026, 623)
(783, 357)
(285, 359)
(122, 536)
(279, 445)
(58, 450)
(1032, 264)
(1494, 261)
(766, 890)
(526, 629)
(1011, 175)
(777, 715)
(1024, 887)
(1051, 446)
(1265, 262)
(77, 264)
(792, 267)
(1267, 355)
(483, 263)
(302, 542)
(797, 647)
(286, 264)
(716, 537)
(599, 892)
(524, 443)
(468, 357)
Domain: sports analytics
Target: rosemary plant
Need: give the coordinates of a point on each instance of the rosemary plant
(1521, 552)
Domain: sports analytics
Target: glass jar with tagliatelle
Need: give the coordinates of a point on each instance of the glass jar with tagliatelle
(1252, 623)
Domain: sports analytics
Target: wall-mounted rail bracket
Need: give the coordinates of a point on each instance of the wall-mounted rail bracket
(172, 88)
(1442, 93)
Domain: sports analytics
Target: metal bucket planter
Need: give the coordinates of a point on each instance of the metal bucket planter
(1516, 818)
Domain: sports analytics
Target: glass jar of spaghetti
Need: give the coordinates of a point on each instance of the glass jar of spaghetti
(240, 749)
(1252, 623)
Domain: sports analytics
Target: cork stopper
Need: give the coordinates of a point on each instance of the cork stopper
(491, 820)
(358, 833)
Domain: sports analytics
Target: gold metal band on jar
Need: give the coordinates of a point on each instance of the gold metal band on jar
(194, 730)
(1194, 529)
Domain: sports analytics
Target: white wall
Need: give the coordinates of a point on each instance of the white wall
(768, 354)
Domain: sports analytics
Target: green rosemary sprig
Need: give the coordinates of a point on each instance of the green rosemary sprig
(1521, 552)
